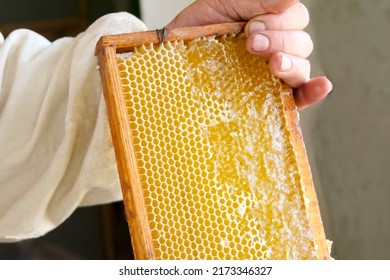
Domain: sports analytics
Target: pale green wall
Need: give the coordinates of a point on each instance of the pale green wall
(157, 14)
(350, 131)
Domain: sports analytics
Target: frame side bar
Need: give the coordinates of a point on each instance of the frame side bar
(308, 189)
(125, 155)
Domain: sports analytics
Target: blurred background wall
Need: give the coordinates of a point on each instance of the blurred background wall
(346, 135)
(350, 131)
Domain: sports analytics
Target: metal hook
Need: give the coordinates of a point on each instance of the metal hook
(161, 35)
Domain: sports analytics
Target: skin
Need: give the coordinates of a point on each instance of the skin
(274, 29)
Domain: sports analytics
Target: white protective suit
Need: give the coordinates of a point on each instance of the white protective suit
(56, 151)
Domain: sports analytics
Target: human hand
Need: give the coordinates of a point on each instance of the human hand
(274, 30)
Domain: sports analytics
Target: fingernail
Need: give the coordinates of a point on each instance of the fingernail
(286, 64)
(256, 26)
(260, 43)
(331, 87)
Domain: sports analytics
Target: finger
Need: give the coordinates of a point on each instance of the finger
(266, 43)
(294, 18)
(294, 70)
(312, 92)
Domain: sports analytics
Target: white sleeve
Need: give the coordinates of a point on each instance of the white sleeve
(55, 145)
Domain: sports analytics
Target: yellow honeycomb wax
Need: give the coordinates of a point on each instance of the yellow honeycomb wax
(218, 172)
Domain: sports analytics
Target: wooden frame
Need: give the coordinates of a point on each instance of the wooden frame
(107, 49)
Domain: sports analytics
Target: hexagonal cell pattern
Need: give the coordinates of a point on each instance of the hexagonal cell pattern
(219, 174)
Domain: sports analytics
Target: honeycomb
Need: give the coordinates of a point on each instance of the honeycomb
(218, 170)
